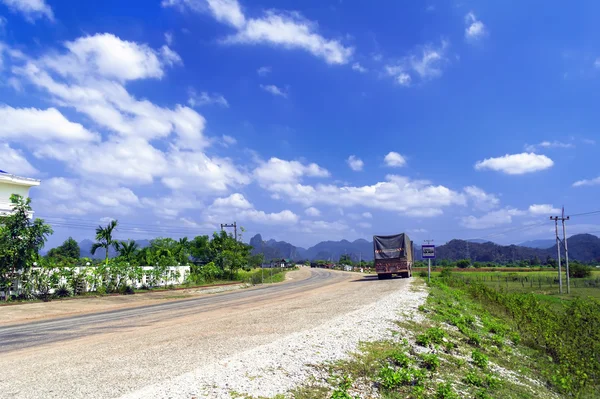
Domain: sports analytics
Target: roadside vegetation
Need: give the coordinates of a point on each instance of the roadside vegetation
(474, 340)
(62, 273)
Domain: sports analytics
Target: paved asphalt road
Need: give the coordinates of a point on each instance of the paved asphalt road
(33, 334)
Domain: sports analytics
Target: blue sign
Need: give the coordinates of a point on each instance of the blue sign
(428, 251)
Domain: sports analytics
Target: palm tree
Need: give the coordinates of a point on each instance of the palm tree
(183, 250)
(104, 236)
(127, 249)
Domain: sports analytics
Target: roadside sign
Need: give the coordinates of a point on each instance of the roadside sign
(428, 251)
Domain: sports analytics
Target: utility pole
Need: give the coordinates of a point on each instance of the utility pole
(429, 260)
(556, 218)
(234, 225)
(563, 218)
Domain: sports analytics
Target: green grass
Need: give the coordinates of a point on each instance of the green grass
(263, 276)
(439, 357)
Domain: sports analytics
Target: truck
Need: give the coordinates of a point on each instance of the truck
(393, 256)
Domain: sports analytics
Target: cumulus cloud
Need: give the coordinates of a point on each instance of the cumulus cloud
(587, 182)
(204, 98)
(31, 9)
(475, 29)
(481, 199)
(426, 63)
(277, 171)
(238, 206)
(289, 30)
(491, 219)
(42, 125)
(312, 211)
(543, 209)
(397, 194)
(394, 160)
(516, 164)
(13, 161)
(356, 164)
(274, 90)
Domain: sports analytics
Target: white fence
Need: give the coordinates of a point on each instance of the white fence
(172, 275)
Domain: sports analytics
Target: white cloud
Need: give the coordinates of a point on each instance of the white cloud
(543, 209)
(394, 160)
(41, 125)
(417, 231)
(236, 205)
(356, 164)
(280, 171)
(397, 194)
(169, 38)
(228, 140)
(491, 219)
(237, 201)
(312, 211)
(588, 182)
(13, 161)
(263, 71)
(475, 29)
(481, 199)
(288, 30)
(90, 78)
(548, 144)
(204, 98)
(589, 141)
(516, 164)
(367, 215)
(111, 57)
(359, 68)
(425, 63)
(323, 228)
(75, 197)
(274, 90)
(364, 225)
(597, 63)
(31, 9)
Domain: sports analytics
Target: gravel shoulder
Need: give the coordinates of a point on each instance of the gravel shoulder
(274, 334)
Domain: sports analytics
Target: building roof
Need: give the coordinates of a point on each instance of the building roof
(18, 180)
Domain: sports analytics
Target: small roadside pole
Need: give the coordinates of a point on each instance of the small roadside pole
(428, 252)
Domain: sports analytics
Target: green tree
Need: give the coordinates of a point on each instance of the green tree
(200, 249)
(463, 263)
(104, 238)
(20, 240)
(346, 260)
(68, 250)
(127, 250)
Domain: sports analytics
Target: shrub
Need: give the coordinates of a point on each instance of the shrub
(423, 274)
(390, 378)
(401, 359)
(472, 378)
(341, 392)
(577, 270)
(431, 361)
(479, 359)
(126, 290)
(463, 263)
(63, 291)
(101, 290)
(434, 335)
(445, 391)
(446, 273)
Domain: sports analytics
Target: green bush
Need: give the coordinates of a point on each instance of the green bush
(445, 391)
(431, 361)
(423, 274)
(63, 291)
(445, 273)
(577, 270)
(401, 359)
(479, 359)
(433, 335)
(472, 378)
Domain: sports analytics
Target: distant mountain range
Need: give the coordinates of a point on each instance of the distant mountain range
(582, 247)
(538, 243)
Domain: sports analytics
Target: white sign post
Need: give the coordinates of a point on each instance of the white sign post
(428, 252)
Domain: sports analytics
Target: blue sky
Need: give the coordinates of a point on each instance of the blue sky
(303, 121)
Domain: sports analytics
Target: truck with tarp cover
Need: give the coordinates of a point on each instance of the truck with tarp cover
(393, 255)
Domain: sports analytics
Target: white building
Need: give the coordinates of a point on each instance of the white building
(11, 184)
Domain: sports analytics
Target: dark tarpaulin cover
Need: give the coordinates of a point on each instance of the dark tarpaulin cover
(392, 247)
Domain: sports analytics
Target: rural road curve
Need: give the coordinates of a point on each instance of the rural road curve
(114, 353)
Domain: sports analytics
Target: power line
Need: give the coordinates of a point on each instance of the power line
(585, 214)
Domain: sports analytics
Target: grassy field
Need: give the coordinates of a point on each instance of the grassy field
(543, 283)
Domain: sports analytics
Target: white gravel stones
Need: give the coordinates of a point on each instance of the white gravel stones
(281, 365)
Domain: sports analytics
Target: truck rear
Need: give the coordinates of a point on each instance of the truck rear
(393, 255)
